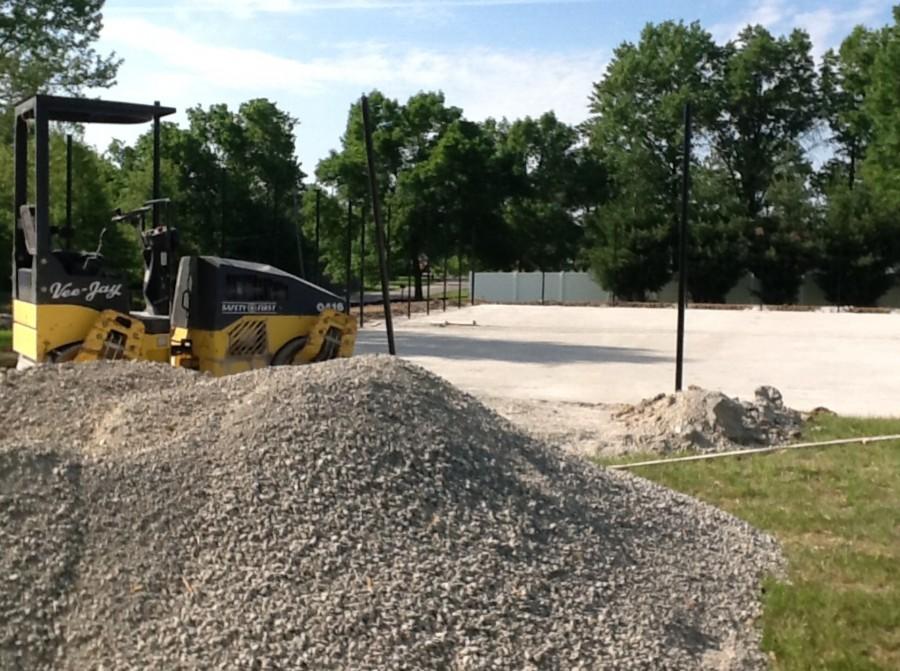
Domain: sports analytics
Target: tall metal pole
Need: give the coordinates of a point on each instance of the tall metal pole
(428, 293)
(458, 278)
(409, 290)
(156, 186)
(42, 179)
(444, 296)
(68, 233)
(362, 264)
(349, 259)
(222, 175)
(615, 260)
(318, 221)
(379, 228)
(297, 234)
(543, 284)
(682, 246)
(409, 278)
(472, 269)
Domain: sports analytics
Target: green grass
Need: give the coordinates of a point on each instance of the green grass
(836, 512)
(5, 340)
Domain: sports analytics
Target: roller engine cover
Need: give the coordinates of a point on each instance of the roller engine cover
(212, 293)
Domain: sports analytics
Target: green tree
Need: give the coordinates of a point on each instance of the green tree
(637, 126)
(46, 46)
(858, 246)
(882, 106)
(451, 200)
(234, 180)
(845, 77)
(629, 237)
(542, 206)
(717, 251)
(332, 236)
(405, 137)
(769, 103)
(782, 242)
(346, 170)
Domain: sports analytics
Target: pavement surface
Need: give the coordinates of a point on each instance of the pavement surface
(848, 363)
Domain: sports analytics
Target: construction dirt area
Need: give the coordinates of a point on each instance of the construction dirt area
(584, 377)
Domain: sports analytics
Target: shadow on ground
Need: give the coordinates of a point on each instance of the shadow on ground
(464, 348)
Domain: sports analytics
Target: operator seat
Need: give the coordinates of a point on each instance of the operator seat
(29, 227)
(82, 264)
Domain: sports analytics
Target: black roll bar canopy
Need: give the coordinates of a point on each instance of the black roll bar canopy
(42, 109)
(87, 110)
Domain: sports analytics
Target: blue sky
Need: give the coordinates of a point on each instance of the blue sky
(491, 57)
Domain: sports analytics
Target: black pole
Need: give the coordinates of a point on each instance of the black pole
(409, 284)
(222, 204)
(362, 263)
(349, 258)
(295, 215)
(68, 233)
(428, 294)
(458, 277)
(472, 268)
(318, 221)
(682, 247)
(42, 179)
(444, 296)
(410, 280)
(156, 186)
(543, 284)
(615, 259)
(379, 228)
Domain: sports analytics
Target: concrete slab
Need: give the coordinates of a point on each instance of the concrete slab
(849, 363)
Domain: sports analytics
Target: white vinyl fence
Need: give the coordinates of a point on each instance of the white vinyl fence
(580, 287)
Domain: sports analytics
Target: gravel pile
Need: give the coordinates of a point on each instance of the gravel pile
(709, 421)
(356, 514)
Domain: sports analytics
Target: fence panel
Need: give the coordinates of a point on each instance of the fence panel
(580, 287)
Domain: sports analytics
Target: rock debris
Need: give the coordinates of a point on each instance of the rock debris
(709, 421)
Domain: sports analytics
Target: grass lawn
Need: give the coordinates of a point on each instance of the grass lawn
(836, 511)
(5, 340)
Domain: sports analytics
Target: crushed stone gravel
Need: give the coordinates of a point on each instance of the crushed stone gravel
(356, 514)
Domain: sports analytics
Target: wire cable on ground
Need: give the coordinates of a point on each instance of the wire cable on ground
(760, 450)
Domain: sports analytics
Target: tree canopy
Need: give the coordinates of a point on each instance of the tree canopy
(46, 47)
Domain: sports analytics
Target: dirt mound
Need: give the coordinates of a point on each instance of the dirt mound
(356, 514)
(698, 419)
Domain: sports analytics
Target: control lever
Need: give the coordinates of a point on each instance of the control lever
(93, 256)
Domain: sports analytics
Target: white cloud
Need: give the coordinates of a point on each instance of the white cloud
(248, 70)
(248, 8)
(826, 26)
(183, 71)
(767, 13)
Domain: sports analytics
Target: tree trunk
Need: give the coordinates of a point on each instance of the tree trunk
(852, 176)
(417, 281)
